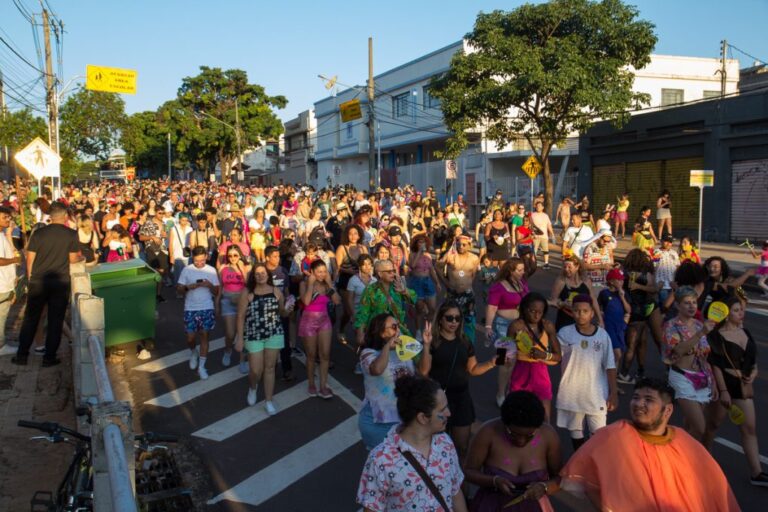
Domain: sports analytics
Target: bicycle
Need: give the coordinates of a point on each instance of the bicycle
(75, 492)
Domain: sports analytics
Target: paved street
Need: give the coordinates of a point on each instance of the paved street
(309, 454)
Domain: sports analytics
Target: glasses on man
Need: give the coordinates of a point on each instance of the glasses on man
(387, 270)
(452, 318)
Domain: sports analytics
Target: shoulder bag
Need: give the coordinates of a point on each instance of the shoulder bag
(426, 478)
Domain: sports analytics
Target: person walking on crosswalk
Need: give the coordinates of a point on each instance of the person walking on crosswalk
(260, 331)
(199, 283)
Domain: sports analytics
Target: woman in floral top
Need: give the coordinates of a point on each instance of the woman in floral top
(381, 367)
(390, 482)
(686, 349)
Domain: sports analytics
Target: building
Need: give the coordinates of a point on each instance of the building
(754, 77)
(410, 131)
(657, 151)
(300, 141)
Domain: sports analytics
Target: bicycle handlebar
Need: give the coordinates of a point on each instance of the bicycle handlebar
(52, 428)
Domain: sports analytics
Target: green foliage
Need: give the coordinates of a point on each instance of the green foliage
(91, 122)
(543, 72)
(19, 128)
(144, 141)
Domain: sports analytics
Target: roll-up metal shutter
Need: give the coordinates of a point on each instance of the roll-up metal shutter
(608, 181)
(644, 182)
(685, 199)
(749, 195)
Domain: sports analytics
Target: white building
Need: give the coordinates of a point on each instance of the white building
(300, 142)
(410, 130)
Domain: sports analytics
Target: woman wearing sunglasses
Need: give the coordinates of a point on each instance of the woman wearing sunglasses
(233, 276)
(450, 360)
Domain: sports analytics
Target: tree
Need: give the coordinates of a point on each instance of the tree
(19, 128)
(543, 72)
(91, 122)
(211, 98)
(143, 138)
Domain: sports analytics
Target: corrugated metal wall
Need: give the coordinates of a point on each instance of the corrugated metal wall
(749, 197)
(644, 181)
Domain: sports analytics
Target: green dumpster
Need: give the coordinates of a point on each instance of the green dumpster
(129, 290)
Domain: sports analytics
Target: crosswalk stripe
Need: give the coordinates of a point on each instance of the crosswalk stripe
(190, 391)
(176, 358)
(249, 416)
(285, 472)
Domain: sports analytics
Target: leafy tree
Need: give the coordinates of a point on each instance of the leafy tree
(543, 72)
(19, 129)
(91, 122)
(211, 98)
(143, 138)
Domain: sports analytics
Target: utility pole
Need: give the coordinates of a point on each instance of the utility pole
(372, 177)
(2, 113)
(237, 137)
(723, 70)
(170, 170)
(51, 95)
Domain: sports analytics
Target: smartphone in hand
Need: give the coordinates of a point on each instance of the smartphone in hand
(501, 356)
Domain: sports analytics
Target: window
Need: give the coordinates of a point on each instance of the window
(429, 100)
(711, 94)
(671, 97)
(349, 130)
(400, 105)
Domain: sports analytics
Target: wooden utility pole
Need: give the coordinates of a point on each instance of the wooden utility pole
(50, 87)
(723, 69)
(372, 175)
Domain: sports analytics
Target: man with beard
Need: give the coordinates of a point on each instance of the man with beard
(646, 464)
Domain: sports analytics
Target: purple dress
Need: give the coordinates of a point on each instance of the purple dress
(489, 500)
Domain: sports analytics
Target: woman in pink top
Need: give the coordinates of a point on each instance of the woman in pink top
(232, 276)
(315, 326)
(503, 308)
(235, 238)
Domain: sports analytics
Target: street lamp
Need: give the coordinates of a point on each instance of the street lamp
(237, 133)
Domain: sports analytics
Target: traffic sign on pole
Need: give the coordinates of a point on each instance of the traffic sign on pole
(40, 160)
(702, 179)
(532, 167)
(105, 79)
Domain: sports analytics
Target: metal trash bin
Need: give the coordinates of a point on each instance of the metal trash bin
(129, 290)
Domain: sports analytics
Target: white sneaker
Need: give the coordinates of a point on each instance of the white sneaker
(244, 367)
(226, 360)
(251, 396)
(270, 407)
(194, 356)
(7, 350)
(202, 372)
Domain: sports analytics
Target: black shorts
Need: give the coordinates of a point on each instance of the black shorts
(343, 281)
(157, 259)
(461, 407)
(734, 386)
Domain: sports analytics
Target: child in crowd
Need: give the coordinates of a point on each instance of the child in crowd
(309, 257)
(687, 251)
(488, 273)
(616, 311)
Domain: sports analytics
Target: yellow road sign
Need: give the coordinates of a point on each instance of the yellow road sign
(350, 110)
(532, 167)
(700, 178)
(102, 78)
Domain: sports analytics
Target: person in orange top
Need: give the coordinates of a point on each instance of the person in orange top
(662, 467)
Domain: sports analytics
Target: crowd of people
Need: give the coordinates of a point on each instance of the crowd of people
(402, 278)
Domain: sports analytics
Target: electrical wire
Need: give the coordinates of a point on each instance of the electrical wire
(23, 10)
(20, 56)
(745, 53)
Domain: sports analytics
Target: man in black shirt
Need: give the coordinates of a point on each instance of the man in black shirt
(50, 251)
(336, 224)
(280, 281)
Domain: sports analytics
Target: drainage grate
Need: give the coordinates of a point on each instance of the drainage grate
(159, 485)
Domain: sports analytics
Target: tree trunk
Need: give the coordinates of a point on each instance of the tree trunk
(546, 147)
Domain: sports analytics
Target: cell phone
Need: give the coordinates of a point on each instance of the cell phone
(200, 280)
(501, 356)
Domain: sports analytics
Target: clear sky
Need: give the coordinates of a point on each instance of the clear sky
(285, 45)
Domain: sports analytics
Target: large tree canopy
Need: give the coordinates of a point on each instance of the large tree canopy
(17, 129)
(91, 122)
(543, 72)
(144, 141)
(211, 98)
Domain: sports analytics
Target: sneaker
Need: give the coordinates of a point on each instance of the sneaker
(243, 367)
(545, 266)
(226, 359)
(500, 399)
(7, 350)
(202, 372)
(194, 356)
(311, 390)
(325, 393)
(251, 396)
(358, 369)
(39, 351)
(760, 480)
(270, 408)
(625, 378)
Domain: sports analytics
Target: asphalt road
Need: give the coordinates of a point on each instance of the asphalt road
(308, 456)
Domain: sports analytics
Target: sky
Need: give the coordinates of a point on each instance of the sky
(283, 46)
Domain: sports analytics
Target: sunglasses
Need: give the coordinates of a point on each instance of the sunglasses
(233, 255)
(452, 318)
(387, 271)
(395, 326)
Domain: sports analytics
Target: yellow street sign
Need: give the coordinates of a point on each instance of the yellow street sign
(350, 110)
(102, 78)
(701, 178)
(532, 167)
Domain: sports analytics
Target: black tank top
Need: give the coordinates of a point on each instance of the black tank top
(566, 293)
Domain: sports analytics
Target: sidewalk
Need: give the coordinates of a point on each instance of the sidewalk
(39, 394)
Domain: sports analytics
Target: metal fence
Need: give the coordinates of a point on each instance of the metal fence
(110, 423)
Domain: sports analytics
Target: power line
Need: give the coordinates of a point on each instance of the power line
(745, 53)
(23, 10)
(2, 40)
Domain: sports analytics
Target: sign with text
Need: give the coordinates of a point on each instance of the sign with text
(532, 167)
(350, 110)
(450, 170)
(105, 79)
(39, 159)
(702, 179)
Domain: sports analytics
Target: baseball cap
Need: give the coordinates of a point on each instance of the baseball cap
(341, 205)
(667, 238)
(615, 273)
(394, 231)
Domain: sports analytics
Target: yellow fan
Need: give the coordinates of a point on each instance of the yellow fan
(718, 311)
(408, 348)
(524, 342)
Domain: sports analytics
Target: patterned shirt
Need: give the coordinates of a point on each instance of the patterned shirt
(389, 483)
(665, 268)
(674, 332)
(380, 389)
(375, 302)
